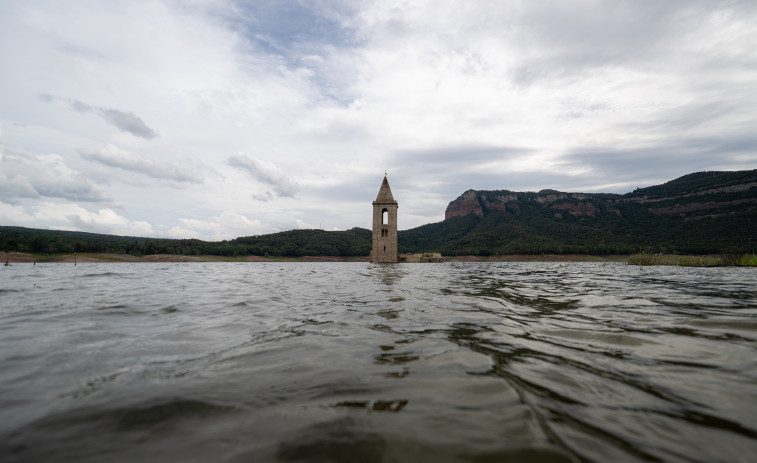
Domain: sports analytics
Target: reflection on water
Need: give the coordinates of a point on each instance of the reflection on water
(377, 406)
(388, 274)
(340, 440)
(364, 362)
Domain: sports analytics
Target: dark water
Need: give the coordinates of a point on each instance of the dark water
(377, 363)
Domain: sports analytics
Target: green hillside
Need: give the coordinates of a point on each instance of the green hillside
(292, 243)
(699, 213)
(706, 212)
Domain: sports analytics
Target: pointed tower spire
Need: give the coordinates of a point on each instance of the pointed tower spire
(384, 248)
(385, 193)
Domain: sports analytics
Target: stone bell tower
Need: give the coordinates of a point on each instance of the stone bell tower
(384, 226)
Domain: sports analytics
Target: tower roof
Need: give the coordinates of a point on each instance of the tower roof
(385, 193)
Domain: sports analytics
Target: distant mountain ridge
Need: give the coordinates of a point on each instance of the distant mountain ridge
(684, 196)
(699, 213)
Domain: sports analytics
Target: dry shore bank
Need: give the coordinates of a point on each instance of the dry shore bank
(21, 257)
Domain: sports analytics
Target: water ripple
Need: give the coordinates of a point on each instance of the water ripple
(362, 362)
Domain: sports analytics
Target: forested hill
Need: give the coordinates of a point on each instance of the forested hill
(292, 243)
(704, 212)
(700, 213)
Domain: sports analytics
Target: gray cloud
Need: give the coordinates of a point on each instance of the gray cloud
(28, 175)
(573, 37)
(611, 94)
(453, 170)
(80, 106)
(122, 120)
(266, 173)
(113, 156)
(454, 158)
(264, 198)
(643, 167)
(128, 122)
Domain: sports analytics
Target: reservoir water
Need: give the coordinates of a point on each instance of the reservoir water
(357, 362)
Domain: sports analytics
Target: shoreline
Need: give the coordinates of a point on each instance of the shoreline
(23, 257)
(747, 260)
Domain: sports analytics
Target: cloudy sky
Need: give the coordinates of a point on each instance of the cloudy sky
(220, 118)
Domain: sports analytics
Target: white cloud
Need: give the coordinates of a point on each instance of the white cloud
(113, 156)
(71, 216)
(141, 228)
(182, 233)
(226, 225)
(267, 173)
(103, 221)
(447, 95)
(304, 225)
(11, 214)
(28, 175)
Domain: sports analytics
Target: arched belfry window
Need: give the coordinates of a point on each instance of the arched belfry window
(384, 217)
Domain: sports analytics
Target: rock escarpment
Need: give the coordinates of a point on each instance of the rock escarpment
(467, 203)
(700, 213)
(703, 194)
(480, 202)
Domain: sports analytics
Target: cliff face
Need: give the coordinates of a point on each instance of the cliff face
(703, 194)
(700, 213)
(578, 209)
(466, 204)
(480, 202)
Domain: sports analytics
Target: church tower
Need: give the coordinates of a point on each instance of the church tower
(384, 226)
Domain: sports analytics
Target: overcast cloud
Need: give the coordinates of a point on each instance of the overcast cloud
(25, 175)
(220, 118)
(124, 121)
(113, 156)
(266, 173)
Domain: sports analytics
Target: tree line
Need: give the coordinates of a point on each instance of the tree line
(292, 243)
(700, 213)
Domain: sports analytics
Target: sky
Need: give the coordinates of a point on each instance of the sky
(215, 119)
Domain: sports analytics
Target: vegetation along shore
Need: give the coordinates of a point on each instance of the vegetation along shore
(708, 214)
(746, 260)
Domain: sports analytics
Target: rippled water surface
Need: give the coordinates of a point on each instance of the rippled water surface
(361, 362)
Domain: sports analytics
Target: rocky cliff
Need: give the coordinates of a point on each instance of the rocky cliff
(704, 212)
(466, 203)
(703, 194)
(575, 204)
